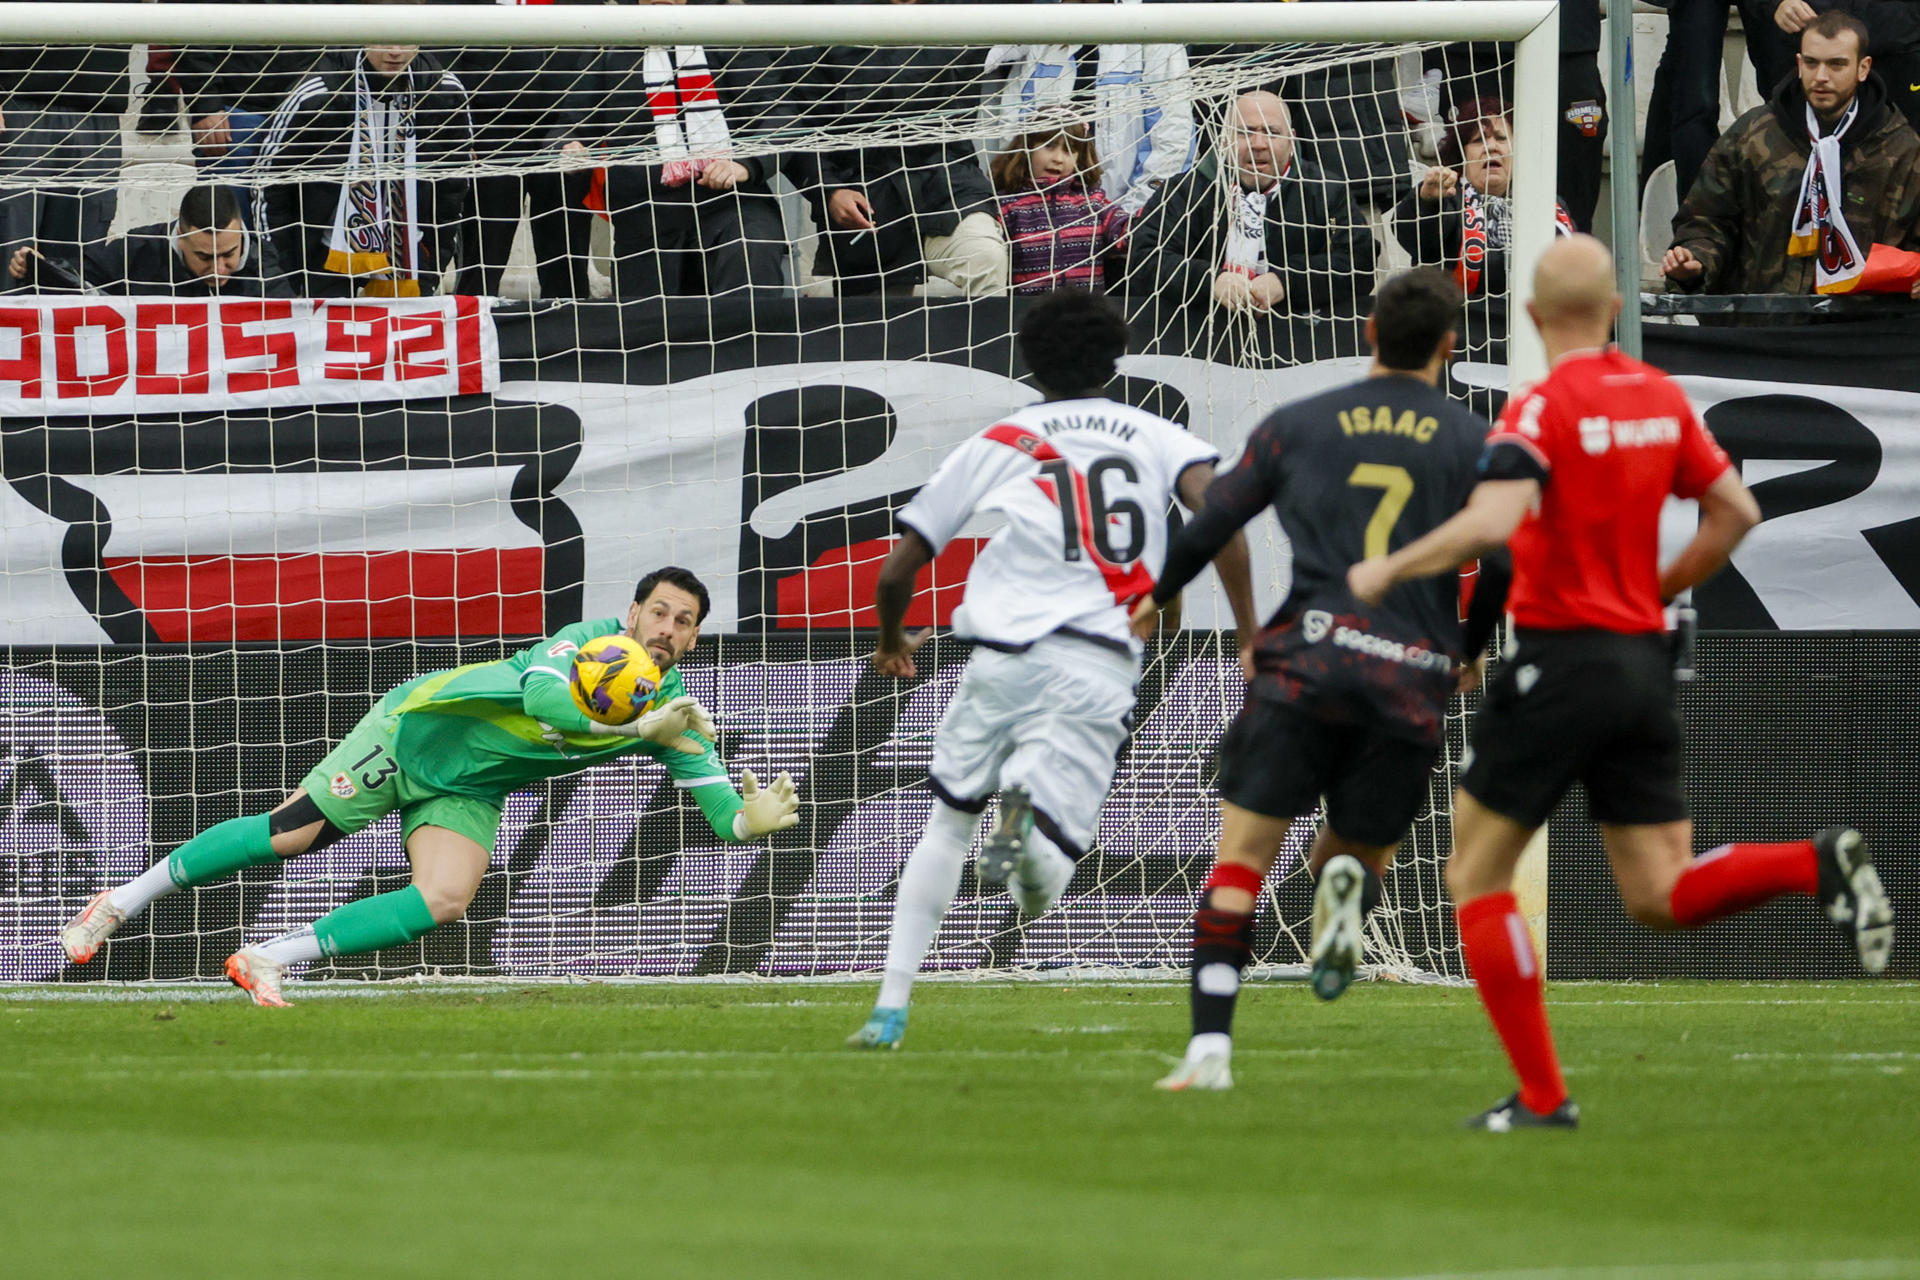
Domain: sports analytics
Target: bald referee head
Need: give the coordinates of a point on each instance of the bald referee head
(1574, 301)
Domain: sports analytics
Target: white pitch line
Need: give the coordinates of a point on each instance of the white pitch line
(1830, 1269)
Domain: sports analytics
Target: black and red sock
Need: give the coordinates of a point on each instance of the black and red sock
(1222, 947)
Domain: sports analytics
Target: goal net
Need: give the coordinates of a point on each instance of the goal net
(324, 367)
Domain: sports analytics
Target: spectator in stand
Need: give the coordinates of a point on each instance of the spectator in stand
(60, 111)
(1281, 238)
(1471, 72)
(386, 116)
(1460, 217)
(1583, 111)
(895, 214)
(705, 220)
(1795, 195)
(526, 102)
(1059, 223)
(1683, 111)
(206, 251)
(1893, 26)
(228, 94)
(1136, 96)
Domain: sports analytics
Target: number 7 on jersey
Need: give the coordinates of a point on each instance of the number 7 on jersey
(1396, 486)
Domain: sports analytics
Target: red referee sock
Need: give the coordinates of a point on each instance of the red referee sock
(1734, 877)
(1500, 958)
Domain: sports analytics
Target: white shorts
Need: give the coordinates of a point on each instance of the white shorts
(1052, 720)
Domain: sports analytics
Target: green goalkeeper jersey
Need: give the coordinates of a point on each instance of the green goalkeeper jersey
(491, 728)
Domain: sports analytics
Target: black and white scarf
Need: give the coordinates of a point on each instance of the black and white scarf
(376, 223)
(1820, 227)
(1247, 228)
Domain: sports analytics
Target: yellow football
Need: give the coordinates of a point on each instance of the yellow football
(614, 679)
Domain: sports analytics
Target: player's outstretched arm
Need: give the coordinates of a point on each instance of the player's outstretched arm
(1492, 513)
(891, 596)
(1221, 506)
(1233, 562)
(674, 726)
(765, 810)
(1727, 512)
(547, 700)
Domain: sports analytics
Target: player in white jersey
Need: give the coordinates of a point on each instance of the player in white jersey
(1084, 484)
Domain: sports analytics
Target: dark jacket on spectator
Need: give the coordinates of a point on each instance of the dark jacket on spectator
(147, 260)
(1893, 36)
(1316, 241)
(525, 101)
(1432, 234)
(80, 79)
(1738, 217)
(245, 78)
(935, 183)
(314, 127)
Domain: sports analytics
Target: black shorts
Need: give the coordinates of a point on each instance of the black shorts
(1590, 706)
(1279, 761)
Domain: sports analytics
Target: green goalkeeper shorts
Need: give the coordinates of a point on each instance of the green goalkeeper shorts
(360, 781)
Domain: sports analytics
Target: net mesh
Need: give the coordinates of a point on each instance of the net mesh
(701, 359)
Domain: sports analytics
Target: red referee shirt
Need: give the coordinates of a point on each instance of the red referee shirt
(1608, 438)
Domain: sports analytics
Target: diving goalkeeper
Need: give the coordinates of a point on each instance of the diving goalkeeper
(446, 749)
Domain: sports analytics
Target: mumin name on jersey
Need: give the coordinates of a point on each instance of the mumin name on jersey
(1361, 421)
(1088, 422)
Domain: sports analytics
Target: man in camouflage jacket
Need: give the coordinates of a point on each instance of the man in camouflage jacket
(1731, 233)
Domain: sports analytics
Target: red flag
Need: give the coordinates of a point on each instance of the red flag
(1888, 270)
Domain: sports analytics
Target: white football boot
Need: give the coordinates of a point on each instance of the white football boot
(94, 925)
(1338, 941)
(258, 976)
(1211, 1071)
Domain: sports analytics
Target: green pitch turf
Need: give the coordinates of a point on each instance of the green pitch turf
(1732, 1132)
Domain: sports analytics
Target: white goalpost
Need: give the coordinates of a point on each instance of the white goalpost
(233, 517)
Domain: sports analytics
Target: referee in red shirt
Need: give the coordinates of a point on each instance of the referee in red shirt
(1575, 474)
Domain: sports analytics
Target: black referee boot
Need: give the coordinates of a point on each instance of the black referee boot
(1851, 893)
(1508, 1114)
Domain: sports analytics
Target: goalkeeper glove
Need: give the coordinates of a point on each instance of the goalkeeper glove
(774, 808)
(668, 726)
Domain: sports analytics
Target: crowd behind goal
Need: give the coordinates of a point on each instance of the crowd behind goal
(1244, 180)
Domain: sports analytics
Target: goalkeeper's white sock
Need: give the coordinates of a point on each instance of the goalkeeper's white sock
(927, 886)
(292, 947)
(137, 894)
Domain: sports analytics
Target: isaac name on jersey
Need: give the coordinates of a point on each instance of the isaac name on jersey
(1084, 487)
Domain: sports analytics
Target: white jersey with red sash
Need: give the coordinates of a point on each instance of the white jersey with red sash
(1085, 487)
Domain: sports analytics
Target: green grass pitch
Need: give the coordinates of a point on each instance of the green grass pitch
(1732, 1132)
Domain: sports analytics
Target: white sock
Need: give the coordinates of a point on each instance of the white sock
(927, 886)
(1208, 1043)
(138, 893)
(293, 946)
(1041, 875)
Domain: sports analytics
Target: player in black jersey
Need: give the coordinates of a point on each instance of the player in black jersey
(1346, 702)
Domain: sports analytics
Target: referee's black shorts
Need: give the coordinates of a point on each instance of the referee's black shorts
(1588, 706)
(1279, 761)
